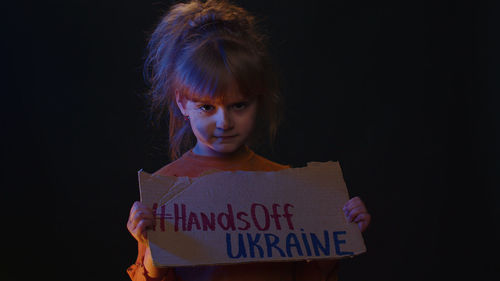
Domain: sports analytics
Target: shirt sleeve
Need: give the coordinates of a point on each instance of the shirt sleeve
(137, 271)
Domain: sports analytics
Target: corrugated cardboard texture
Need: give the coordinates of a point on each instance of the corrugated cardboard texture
(237, 217)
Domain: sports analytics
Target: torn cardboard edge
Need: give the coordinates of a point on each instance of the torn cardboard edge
(228, 217)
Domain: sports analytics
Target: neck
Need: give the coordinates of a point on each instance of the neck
(203, 151)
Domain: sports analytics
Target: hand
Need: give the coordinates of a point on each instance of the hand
(355, 211)
(140, 219)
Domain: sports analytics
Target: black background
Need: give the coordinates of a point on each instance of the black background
(403, 93)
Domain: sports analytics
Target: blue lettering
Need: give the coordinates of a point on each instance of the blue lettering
(254, 243)
(241, 247)
(295, 244)
(337, 243)
(317, 244)
(306, 243)
(273, 244)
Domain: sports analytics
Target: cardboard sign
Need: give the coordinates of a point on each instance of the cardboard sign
(236, 217)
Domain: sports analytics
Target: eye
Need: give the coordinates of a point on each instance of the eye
(240, 105)
(206, 107)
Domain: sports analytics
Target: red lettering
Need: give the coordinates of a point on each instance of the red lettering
(288, 216)
(162, 218)
(178, 217)
(229, 219)
(259, 217)
(155, 207)
(247, 224)
(276, 216)
(208, 224)
(193, 219)
(254, 216)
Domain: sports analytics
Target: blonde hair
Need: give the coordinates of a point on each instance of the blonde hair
(199, 49)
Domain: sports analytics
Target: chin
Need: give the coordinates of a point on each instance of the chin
(226, 148)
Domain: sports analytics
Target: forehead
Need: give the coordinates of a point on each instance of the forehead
(220, 99)
(225, 94)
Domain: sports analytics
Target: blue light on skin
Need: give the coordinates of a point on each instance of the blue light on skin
(221, 127)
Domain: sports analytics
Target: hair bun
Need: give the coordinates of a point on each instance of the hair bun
(218, 15)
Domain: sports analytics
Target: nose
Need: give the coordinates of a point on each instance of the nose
(223, 119)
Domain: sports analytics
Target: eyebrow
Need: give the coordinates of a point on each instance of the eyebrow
(218, 100)
(204, 100)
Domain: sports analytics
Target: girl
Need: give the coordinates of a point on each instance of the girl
(209, 68)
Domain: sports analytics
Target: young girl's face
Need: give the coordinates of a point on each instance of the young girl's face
(221, 127)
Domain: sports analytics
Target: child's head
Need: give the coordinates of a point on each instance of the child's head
(211, 53)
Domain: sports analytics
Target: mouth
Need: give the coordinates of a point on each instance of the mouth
(226, 137)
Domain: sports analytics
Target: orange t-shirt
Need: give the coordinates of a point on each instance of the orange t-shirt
(193, 165)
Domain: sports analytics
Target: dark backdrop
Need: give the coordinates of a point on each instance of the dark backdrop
(404, 94)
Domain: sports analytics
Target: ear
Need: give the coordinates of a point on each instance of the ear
(180, 102)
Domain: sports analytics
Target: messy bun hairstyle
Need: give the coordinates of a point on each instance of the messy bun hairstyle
(200, 49)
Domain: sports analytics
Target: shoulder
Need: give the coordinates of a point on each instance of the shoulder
(172, 168)
(187, 165)
(265, 164)
(165, 170)
(192, 165)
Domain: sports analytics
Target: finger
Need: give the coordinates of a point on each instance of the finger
(130, 226)
(143, 225)
(351, 214)
(134, 208)
(134, 220)
(362, 226)
(350, 207)
(138, 207)
(364, 223)
(138, 212)
(355, 202)
(141, 230)
(354, 208)
(352, 202)
(357, 209)
(132, 223)
(362, 217)
(146, 213)
(363, 220)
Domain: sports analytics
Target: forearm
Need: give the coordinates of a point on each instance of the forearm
(154, 272)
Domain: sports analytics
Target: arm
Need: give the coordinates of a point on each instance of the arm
(140, 219)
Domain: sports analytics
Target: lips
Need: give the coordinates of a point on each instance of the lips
(225, 138)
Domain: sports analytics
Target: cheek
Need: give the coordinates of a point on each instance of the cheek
(202, 128)
(248, 121)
